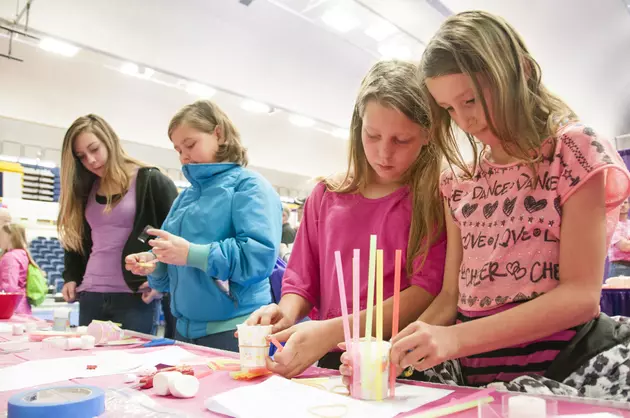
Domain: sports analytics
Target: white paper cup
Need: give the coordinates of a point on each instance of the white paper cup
(372, 357)
(253, 335)
(253, 357)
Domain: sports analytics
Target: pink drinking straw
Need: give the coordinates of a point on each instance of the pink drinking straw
(356, 319)
(342, 299)
(395, 318)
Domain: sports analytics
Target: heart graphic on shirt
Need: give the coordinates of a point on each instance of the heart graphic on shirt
(598, 146)
(556, 204)
(489, 209)
(515, 269)
(508, 206)
(532, 205)
(468, 209)
(500, 300)
(588, 131)
(485, 302)
(472, 300)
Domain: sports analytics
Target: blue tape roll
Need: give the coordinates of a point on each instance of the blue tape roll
(58, 401)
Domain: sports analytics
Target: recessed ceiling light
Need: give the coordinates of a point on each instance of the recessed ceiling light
(341, 133)
(381, 30)
(200, 90)
(301, 121)
(255, 107)
(58, 47)
(340, 19)
(129, 68)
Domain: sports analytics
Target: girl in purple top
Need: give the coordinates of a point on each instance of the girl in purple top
(107, 199)
(390, 189)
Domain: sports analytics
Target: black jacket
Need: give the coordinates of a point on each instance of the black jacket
(155, 194)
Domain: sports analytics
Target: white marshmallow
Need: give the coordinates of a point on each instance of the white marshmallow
(18, 329)
(147, 370)
(87, 342)
(184, 386)
(161, 382)
(82, 330)
(31, 326)
(73, 344)
(130, 378)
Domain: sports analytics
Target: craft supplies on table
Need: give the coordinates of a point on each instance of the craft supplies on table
(61, 319)
(253, 346)
(105, 332)
(58, 401)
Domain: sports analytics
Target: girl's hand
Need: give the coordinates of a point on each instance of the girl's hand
(423, 346)
(306, 343)
(69, 291)
(141, 264)
(346, 368)
(148, 294)
(270, 315)
(169, 248)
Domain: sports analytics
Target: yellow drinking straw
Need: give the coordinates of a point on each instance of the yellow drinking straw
(370, 295)
(379, 324)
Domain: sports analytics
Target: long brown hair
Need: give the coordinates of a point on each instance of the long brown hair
(525, 113)
(77, 181)
(394, 84)
(206, 116)
(17, 237)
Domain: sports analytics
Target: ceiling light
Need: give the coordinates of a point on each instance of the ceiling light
(393, 51)
(301, 121)
(129, 68)
(381, 31)
(148, 72)
(341, 133)
(58, 47)
(200, 90)
(255, 107)
(340, 19)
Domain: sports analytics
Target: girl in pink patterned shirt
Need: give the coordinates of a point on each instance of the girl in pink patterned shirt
(528, 223)
(14, 263)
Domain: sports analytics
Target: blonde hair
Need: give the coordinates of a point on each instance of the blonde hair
(205, 116)
(17, 237)
(394, 84)
(77, 181)
(525, 113)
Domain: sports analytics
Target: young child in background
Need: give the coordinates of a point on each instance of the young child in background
(14, 263)
(532, 216)
(219, 243)
(107, 199)
(390, 189)
(619, 251)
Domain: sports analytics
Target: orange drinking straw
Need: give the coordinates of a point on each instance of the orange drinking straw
(395, 318)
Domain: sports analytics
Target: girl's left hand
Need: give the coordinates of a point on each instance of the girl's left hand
(169, 248)
(423, 346)
(306, 343)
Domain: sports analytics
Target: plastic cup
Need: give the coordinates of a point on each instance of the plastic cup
(253, 346)
(373, 356)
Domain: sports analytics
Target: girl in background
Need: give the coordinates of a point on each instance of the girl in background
(531, 217)
(389, 189)
(14, 263)
(219, 243)
(107, 199)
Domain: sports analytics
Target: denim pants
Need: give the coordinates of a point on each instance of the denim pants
(221, 340)
(127, 309)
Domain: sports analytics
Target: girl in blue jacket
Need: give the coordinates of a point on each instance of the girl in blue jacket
(219, 242)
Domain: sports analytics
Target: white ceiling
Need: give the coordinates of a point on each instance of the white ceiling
(272, 52)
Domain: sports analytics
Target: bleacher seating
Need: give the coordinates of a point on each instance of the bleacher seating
(48, 254)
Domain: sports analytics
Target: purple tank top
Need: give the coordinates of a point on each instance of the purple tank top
(110, 232)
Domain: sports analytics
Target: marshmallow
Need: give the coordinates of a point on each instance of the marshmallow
(147, 370)
(87, 342)
(73, 344)
(18, 329)
(183, 386)
(161, 382)
(130, 378)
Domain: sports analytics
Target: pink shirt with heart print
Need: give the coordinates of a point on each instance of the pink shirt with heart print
(511, 230)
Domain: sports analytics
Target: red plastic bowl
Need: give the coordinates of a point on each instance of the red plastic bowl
(8, 303)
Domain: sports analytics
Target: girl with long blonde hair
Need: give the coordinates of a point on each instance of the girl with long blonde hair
(390, 189)
(14, 263)
(528, 221)
(107, 199)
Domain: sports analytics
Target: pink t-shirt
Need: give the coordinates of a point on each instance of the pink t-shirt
(511, 231)
(334, 221)
(13, 274)
(621, 231)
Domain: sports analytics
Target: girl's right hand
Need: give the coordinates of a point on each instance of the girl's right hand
(270, 315)
(69, 292)
(346, 368)
(141, 264)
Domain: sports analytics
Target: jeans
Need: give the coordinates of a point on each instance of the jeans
(127, 309)
(221, 340)
(618, 269)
